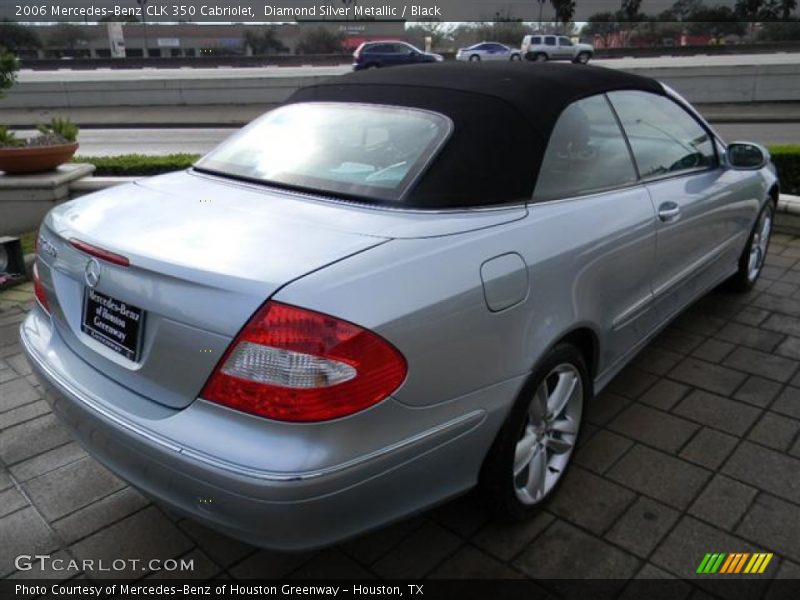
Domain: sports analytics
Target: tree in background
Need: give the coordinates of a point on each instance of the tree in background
(439, 33)
(263, 40)
(752, 10)
(565, 10)
(787, 8)
(776, 9)
(716, 21)
(8, 70)
(631, 10)
(320, 40)
(681, 11)
(17, 38)
(656, 33)
(603, 25)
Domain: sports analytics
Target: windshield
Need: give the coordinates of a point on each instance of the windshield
(366, 151)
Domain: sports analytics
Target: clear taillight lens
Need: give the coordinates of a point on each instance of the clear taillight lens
(293, 364)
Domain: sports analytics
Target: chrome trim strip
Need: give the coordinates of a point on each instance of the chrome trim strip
(692, 268)
(90, 401)
(602, 379)
(632, 312)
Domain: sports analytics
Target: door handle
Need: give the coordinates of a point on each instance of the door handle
(669, 211)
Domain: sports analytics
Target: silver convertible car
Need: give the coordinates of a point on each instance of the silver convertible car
(396, 286)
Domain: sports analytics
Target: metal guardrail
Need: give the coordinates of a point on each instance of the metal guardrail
(295, 60)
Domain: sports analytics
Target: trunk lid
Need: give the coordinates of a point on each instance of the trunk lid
(205, 253)
(200, 265)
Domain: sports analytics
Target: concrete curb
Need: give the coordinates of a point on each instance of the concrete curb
(787, 220)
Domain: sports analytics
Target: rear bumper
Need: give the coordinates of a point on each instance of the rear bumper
(290, 509)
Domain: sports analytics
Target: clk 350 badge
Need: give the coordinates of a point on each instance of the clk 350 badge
(47, 247)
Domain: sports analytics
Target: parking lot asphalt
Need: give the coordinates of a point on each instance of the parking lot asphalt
(694, 448)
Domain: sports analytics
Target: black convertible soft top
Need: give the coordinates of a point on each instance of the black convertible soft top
(503, 114)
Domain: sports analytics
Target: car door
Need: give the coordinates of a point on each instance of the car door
(380, 54)
(587, 198)
(699, 224)
(495, 52)
(565, 47)
(550, 46)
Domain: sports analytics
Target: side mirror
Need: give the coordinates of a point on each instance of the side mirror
(745, 155)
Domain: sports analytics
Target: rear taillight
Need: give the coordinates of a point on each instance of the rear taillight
(293, 364)
(38, 289)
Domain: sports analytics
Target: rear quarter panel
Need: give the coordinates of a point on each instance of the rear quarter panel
(426, 295)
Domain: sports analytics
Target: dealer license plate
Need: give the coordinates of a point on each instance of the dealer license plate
(114, 323)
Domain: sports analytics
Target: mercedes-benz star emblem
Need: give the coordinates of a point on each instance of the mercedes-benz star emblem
(91, 273)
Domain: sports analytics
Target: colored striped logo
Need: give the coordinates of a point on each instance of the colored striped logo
(734, 563)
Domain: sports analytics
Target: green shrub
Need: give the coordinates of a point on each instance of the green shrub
(8, 70)
(60, 127)
(8, 139)
(130, 165)
(787, 160)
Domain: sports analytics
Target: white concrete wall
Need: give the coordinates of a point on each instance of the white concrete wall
(701, 84)
(152, 92)
(731, 84)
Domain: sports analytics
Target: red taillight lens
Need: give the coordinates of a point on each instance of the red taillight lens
(38, 289)
(293, 364)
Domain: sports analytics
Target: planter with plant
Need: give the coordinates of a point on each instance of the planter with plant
(54, 145)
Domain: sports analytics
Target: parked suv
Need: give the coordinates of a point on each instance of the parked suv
(390, 53)
(555, 47)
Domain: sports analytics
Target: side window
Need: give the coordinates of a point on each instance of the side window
(586, 153)
(563, 41)
(379, 49)
(536, 40)
(665, 139)
(549, 41)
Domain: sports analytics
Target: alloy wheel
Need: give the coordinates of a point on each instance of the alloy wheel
(759, 244)
(549, 434)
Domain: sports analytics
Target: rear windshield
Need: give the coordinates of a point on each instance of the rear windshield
(365, 151)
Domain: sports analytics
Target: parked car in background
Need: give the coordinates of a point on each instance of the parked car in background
(372, 55)
(488, 51)
(555, 47)
(373, 309)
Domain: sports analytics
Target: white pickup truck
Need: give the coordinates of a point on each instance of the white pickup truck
(555, 47)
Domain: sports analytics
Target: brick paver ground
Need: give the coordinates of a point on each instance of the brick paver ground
(693, 448)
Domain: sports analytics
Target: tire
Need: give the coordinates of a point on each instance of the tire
(540, 57)
(582, 58)
(474, 58)
(508, 480)
(515, 57)
(751, 262)
(372, 66)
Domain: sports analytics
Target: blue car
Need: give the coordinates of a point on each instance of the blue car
(371, 55)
